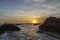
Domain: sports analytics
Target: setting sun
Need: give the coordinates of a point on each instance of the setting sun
(34, 21)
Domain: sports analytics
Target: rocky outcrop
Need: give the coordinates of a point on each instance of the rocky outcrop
(51, 24)
(8, 27)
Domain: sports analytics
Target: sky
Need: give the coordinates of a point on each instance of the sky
(19, 9)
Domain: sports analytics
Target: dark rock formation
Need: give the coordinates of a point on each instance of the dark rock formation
(8, 27)
(51, 24)
(1, 31)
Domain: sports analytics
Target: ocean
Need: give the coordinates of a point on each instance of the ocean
(27, 32)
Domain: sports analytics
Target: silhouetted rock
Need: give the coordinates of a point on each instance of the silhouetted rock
(1, 31)
(8, 27)
(51, 24)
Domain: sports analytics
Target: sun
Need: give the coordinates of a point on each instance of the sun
(34, 21)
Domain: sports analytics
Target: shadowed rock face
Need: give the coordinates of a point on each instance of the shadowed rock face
(8, 27)
(51, 24)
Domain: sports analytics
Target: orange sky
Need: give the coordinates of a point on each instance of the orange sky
(21, 20)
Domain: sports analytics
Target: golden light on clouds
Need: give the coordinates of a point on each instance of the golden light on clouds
(22, 20)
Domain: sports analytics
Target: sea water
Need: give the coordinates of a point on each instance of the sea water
(27, 32)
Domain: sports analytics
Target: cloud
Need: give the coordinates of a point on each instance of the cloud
(29, 8)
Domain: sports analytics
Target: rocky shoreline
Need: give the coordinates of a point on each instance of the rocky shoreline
(8, 27)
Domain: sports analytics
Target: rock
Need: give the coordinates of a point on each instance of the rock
(51, 24)
(8, 27)
(1, 31)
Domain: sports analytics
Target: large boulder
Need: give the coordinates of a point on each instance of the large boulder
(8, 27)
(51, 24)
